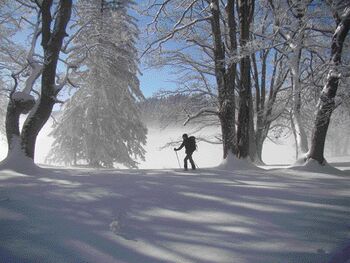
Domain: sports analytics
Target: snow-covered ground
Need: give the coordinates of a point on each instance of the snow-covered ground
(232, 213)
(242, 215)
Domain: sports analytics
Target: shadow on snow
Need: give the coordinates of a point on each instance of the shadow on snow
(63, 215)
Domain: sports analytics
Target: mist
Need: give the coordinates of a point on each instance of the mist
(160, 157)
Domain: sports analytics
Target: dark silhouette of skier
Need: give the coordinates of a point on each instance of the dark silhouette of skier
(190, 146)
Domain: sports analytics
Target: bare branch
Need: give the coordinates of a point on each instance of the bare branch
(201, 113)
(170, 35)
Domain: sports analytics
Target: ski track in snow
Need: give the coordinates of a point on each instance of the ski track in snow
(141, 216)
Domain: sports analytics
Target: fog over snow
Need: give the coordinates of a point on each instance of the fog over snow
(157, 157)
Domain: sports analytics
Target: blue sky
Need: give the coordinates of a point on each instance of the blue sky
(153, 80)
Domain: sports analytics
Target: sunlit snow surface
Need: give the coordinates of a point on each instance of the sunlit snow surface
(234, 213)
(150, 216)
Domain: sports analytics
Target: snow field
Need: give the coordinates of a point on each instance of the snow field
(152, 216)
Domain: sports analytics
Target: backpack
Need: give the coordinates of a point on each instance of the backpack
(192, 146)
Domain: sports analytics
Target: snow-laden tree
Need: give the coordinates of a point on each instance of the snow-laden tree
(326, 104)
(109, 129)
(11, 55)
(302, 32)
(68, 149)
(208, 56)
(270, 98)
(49, 20)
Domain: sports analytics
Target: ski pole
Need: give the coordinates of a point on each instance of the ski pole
(196, 165)
(178, 161)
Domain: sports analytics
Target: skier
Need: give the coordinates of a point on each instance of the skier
(190, 145)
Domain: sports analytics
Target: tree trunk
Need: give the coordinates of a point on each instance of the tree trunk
(252, 140)
(294, 135)
(19, 103)
(245, 12)
(228, 108)
(51, 43)
(259, 146)
(12, 123)
(260, 93)
(243, 113)
(225, 79)
(34, 123)
(296, 47)
(299, 131)
(326, 103)
(300, 134)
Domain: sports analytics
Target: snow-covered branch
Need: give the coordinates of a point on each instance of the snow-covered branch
(36, 66)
